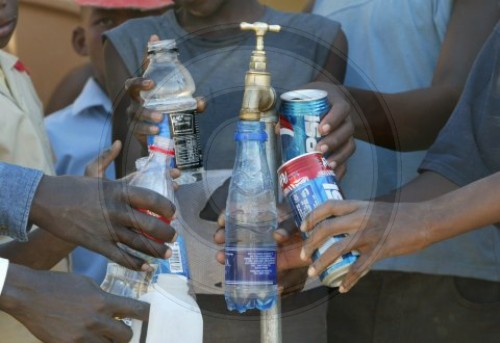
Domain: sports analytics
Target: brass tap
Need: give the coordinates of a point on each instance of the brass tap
(258, 96)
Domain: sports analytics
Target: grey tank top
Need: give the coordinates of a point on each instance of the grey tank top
(296, 56)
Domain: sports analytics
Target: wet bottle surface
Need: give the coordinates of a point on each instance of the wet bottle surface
(154, 173)
(251, 218)
(126, 283)
(173, 96)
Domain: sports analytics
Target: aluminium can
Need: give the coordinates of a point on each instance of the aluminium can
(300, 113)
(307, 181)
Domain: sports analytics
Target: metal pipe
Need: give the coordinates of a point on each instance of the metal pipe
(270, 320)
(259, 100)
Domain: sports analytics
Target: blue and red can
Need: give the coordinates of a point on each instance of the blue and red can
(300, 113)
(307, 181)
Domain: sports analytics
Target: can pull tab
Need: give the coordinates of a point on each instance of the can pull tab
(260, 31)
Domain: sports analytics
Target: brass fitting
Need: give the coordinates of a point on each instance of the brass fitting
(258, 96)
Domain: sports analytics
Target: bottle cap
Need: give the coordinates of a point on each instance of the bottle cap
(162, 45)
(250, 131)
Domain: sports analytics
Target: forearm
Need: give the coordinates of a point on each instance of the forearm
(411, 120)
(468, 208)
(405, 121)
(42, 251)
(116, 75)
(16, 280)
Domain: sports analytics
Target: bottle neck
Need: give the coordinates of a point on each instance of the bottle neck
(164, 56)
(250, 139)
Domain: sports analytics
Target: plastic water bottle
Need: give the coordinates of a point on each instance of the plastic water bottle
(251, 218)
(168, 294)
(154, 174)
(126, 283)
(173, 95)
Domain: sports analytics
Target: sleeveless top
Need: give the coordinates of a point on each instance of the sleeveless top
(295, 56)
(393, 47)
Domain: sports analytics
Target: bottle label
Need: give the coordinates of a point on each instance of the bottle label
(185, 133)
(178, 262)
(250, 266)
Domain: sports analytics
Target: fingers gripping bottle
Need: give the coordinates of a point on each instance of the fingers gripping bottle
(169, 294)
(173, 96)
(154, 174)
(251, 218)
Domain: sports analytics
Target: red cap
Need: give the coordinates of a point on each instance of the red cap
(139, 4)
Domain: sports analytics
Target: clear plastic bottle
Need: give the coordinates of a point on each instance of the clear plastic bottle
(154, 174)
(169, 290)
(251, 218)
(173, 95)
(126, 283)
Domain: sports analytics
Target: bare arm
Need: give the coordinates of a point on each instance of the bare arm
(98, 214)
(419, 114)
(50, 305)
(379, 229)
(336, 128)
(116, 75)
(69, 88)
(468, 208)
(42, 251)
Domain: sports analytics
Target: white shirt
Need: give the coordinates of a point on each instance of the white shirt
(4, 265)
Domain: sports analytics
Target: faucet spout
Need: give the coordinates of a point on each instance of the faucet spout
(259, 96)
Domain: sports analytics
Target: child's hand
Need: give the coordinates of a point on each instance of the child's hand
(98, 166)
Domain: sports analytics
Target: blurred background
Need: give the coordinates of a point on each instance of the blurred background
(44, 28)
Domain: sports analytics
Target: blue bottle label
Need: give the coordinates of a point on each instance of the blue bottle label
(178, 262)
(164, 130)
(250, 266)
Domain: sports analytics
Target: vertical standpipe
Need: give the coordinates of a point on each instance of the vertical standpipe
(259, 100)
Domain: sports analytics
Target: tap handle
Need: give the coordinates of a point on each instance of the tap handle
(260, 30)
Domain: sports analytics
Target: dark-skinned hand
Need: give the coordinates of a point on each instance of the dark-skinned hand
(376, 230)
(65, 307)
(292, 270)
(98, 214)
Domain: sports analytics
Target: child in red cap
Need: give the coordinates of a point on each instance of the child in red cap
(80, 131)
(71, 86)
(40, 306)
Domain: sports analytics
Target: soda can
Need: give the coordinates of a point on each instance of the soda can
(300, 113)
(307, 181)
